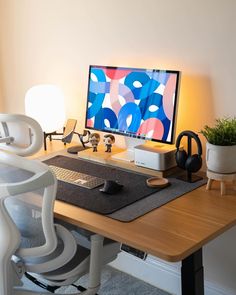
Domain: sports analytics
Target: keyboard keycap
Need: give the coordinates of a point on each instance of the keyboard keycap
(77, 178)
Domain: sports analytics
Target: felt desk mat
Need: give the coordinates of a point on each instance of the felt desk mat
(156, 200)
(134, 189)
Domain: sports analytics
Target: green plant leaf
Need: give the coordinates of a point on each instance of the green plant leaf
(223, 133)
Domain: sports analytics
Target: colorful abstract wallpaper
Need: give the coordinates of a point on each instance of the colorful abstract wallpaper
(134, 102)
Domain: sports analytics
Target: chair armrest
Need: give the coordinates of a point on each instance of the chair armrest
(42, 177)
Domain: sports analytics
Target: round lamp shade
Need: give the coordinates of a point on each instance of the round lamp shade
(45, 103)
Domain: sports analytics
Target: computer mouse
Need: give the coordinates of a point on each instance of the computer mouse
(111, 187)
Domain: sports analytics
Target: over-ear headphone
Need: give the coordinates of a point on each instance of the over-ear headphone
(184, 160)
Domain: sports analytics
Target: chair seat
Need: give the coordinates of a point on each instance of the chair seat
(77, 266)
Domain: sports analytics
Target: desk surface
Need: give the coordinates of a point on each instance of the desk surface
(171, 232)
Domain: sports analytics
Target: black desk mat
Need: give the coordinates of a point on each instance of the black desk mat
(134, 189)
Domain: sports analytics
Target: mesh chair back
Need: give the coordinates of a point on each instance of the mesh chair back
(28, 197)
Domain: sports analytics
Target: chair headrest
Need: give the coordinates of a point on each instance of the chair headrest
(20, 134)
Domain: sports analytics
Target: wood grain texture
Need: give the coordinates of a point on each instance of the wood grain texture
(171, 232)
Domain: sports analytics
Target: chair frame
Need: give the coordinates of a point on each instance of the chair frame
(12, 268)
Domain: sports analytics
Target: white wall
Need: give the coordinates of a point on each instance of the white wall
(1, 55)
(54, 41)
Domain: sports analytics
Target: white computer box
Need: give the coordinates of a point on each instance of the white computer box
(155, 157)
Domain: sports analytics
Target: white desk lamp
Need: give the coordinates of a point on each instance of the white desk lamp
(45, 103)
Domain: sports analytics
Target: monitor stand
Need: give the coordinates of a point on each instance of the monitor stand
(128, 154)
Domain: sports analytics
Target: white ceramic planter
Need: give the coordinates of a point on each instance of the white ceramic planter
(221, 159)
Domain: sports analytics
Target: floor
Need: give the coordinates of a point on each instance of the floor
(114, 282)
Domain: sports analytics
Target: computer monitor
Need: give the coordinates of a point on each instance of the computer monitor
(137, 103)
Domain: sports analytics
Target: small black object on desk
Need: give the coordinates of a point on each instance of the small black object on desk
(187, 161)
(111, 187)
(82, 137)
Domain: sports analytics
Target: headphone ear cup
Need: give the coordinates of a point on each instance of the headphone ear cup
(193, 163)
(181, 157)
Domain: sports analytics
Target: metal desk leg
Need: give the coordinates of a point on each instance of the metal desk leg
(192, 277)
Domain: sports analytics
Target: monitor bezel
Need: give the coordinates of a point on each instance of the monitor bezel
(178, 73)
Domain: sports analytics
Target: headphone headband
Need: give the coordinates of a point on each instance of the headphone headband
(191, 134)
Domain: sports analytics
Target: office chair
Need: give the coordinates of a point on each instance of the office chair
(20, 134)
(32, 245)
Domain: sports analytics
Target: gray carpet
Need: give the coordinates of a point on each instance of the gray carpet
(114, 282)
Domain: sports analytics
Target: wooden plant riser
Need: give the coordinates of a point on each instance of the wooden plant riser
(223, 178)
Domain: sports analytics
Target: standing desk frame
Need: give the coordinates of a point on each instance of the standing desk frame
(174, 232)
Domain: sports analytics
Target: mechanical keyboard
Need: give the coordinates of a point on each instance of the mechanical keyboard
(77, 178)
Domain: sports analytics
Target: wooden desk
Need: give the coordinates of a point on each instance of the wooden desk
(176, 231)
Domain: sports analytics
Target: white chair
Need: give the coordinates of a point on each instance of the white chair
(31, 244)
(20, 134)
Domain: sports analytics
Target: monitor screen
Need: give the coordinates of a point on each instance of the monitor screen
(138, 103)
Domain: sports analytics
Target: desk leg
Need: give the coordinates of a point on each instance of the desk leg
(192, 277)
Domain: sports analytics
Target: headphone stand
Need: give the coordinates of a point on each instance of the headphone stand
(189, 176)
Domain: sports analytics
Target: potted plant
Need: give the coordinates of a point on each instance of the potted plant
(221, 146)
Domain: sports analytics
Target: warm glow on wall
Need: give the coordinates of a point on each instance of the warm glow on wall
(45, 103)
